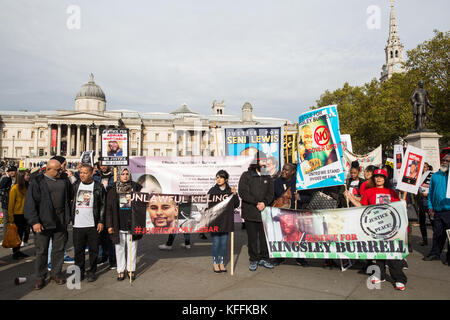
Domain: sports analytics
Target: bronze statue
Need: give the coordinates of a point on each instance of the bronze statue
(420, 102)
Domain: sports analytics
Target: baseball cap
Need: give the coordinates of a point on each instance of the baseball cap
(380, 172)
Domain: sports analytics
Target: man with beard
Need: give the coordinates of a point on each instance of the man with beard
(439, 210)
(114, 149)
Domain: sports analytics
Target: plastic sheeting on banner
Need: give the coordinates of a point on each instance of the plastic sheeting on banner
(319, 150)
(371, 232)
(372, 158)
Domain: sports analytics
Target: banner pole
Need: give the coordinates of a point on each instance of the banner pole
(115, 173)
(131, 255)
(346, 197)
(232, 252)
(286, 155)
(404, 195)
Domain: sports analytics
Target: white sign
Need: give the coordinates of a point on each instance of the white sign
(372, 158)
(411, 170)
(115, 151)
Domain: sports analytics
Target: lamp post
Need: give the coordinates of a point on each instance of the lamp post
(13, 146)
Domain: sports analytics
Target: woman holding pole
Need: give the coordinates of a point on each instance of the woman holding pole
(118, 223)
(219, 243)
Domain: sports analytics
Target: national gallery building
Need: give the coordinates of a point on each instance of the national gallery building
(36, 136)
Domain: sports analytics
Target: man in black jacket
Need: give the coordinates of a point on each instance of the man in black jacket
(6, 182)
(47, 210)
(88, 218)
(256, 192)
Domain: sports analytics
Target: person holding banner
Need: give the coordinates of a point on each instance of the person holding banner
(219, 239)
(256, 192)
(439, 209)
(422, 201)
(354, 182)
(380, 192)
(118, 223)
(368, 172)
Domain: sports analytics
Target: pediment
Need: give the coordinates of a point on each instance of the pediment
(85, 115)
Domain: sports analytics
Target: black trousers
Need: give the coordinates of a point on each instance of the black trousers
(107, 246)
(255, 234)
(21, 223)
(423, 219)
(441, 223)
(42, 240)
(395, 269)
(81, 238)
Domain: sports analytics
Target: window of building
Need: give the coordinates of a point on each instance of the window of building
(41, 152)
(392, 54)
(19, 134)
(156, 136)
(133, 136)
(169, 152)
(31, 152)
(5, 134)
(156, 152)
(396, 53)
(32, 134)
(41, 134)
(133, 152)
(5, 153)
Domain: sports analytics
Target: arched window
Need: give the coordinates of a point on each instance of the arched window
(396, 53)
(392, 54)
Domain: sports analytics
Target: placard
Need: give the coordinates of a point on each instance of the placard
(115, 147)
(411, 170)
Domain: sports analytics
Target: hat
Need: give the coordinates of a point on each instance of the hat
(35, 169)
(11, 168)
(60, 159)
(380, 172)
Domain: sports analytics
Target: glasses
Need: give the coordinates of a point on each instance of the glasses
(445, 161)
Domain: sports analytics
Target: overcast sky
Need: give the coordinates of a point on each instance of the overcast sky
(153, 56)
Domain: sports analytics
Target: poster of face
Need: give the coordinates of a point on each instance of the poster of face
(370, 232)
(398, 159)
(411, 170)
(264, 143)
(115, 147)
(319, 150)
(87, 157)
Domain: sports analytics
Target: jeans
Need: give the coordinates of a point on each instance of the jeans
(255, 232)
(81, 238)
(219, 247)
(441, 223)
(187, 239)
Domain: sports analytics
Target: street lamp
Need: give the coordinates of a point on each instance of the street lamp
(13, 146)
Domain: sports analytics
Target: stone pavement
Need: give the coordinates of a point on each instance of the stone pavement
(187, 274)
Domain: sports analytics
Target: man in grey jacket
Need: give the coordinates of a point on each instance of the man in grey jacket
(256, 191)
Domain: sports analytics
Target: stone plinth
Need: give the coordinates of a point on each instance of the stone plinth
(429, 142)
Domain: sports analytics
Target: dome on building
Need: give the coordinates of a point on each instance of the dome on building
(183, 109)
(91, 90)
(247, 105)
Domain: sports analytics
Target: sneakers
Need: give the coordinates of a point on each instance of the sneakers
(265, 264)
(186, 246)
(164, 247)
(376, 280)
(253, 266)
(302, 262)
(404, 264)
(68, 259)
(400, 286)
(431, 257)
(24, 244)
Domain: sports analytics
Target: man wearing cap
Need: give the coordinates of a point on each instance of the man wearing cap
(439, 210)
(47, 210)
(5, 186)
(256, 191)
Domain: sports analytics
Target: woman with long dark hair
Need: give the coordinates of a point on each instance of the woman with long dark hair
(219, 243)
(15, 207)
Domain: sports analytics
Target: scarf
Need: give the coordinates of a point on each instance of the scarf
(124, 187)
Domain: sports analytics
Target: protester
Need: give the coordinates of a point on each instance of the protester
(256, 192)
(47, 209)
(15, 208)
(219, 239)
(367, 175)
(380, 191)
(285, 195)
(439, 210)
(422, 202)
(88, 220)
(118, 223)
(6, 182)
(354, 182)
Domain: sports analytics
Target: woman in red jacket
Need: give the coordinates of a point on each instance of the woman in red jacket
(379, 191)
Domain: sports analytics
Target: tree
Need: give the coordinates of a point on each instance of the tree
(379, 113)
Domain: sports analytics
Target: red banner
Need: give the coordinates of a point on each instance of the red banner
(54, 134)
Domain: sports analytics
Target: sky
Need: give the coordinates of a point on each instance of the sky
(153, 56)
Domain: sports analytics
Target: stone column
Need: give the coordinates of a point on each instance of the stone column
(58, 141)
(184, 143)
(139, 141)
(78, 140)
(88, 135)
(199, 143)
(36, 142)
(69, 141)
(97, 141)
(49, 137)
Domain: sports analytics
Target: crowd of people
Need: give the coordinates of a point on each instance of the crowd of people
(46, 200)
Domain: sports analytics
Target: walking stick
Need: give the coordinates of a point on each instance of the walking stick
(232, 252)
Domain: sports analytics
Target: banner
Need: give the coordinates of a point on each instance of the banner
(54, 137)
(372, 158)
(411, 170)
(88, 157)
(169, 213)
(398, 158)
(290, 148)
(115, 150)
(251, 141)
(372, 232)
(347, 142)
(319, 150)
(186, 175)
(425, 182)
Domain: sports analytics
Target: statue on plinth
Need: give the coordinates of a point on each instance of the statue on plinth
(420, 102)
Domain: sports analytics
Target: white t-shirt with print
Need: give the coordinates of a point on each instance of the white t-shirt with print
(84, 206)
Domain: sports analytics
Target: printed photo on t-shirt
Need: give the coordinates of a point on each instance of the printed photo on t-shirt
(383, 198)
(125, 201)
(84, 198)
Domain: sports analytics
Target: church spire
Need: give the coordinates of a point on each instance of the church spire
(393, 31)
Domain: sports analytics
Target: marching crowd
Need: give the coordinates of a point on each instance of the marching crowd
(47, 200)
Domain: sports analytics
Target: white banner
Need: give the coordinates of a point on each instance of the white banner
(372, 158)
(411, 170)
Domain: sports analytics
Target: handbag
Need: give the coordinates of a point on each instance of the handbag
(12, 239)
